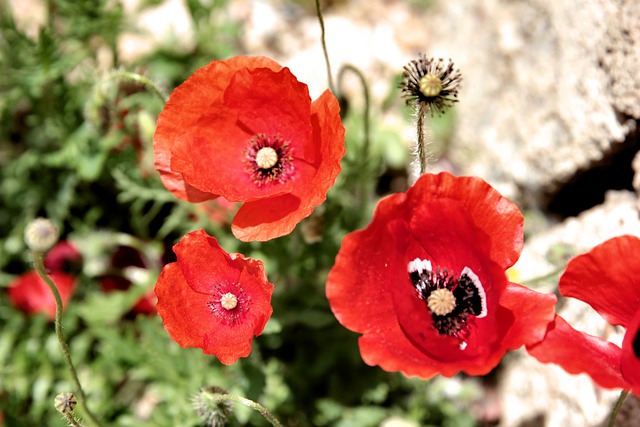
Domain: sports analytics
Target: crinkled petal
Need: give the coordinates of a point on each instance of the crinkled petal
(532, 313)
(184, 312)
(577, 353)
(492, 213)
(197, 96)
(607, 278)
(273, 103)
(274, 217)
(204, 263)
(230, 342)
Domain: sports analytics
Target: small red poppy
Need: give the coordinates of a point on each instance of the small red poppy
(425, 282)
(246, 129)
(31, 294)
(213, 300)
(63, 257)
(608, 279)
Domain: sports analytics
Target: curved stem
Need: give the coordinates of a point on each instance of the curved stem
(616, 408)
(138, 78)
(364, 158)
(324, 47)
(82, 398)
(250, 404)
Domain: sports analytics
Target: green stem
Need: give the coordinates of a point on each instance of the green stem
(138, 78)
(324, 47)
(544, 277)
(424, 138)
(250, 404)
(366, 123)
(82, 398)
(71, 420)
(616, 408)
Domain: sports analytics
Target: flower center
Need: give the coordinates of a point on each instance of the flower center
(268, 159)
(451, 300)
(430, 85)
(229, 301)
(441, 302)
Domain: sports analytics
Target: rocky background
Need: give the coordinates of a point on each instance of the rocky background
(548, 114)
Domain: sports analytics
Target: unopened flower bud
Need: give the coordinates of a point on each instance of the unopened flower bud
(65, 402)
(40, 235)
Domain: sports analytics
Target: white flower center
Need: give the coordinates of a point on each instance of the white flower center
(266, 158)
(441, 302)
(229, 301)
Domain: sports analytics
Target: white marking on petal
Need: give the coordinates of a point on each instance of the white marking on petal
(483, 296)
(419, 266)
(462, 345)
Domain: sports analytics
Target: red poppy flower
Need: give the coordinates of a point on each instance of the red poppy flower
(608, 279)
(213, 300)
(63, 257)
(425, 282)
(246, 129)
(31, 294)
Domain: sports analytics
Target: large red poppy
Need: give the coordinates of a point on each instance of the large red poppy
(608, 279)
(31, 294)
(246, 129)
(425, 282)
(213, 300)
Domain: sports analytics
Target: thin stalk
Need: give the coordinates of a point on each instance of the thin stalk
(250, 404)
(81, 397)
(324, 47)
(616, 408)
(364, 157)
(138, 78)
(71, 420)
(424, 137)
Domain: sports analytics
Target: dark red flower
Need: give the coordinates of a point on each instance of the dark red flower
(425, 282)
(63, 257)
(213, 300)
(31, 294)
(608, 279)
(246, 129)
(126, 257)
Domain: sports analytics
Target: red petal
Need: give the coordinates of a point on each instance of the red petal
(185, 292)
(607, 278)
(186, 106)
(274, 217)
(31, 294)
(577, 352)
(496, 216)
(274, 103)
(357, 285)
(630, 363)
(229, 343)
(184, 312)
(204, 263)
(212, 160)
(532, 313)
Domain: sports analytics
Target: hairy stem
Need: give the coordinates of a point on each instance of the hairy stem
(138, 78)
(82, 398)
(424, 138)
(248, 403)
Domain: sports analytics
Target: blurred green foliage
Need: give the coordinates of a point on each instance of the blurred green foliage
(75, 146)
